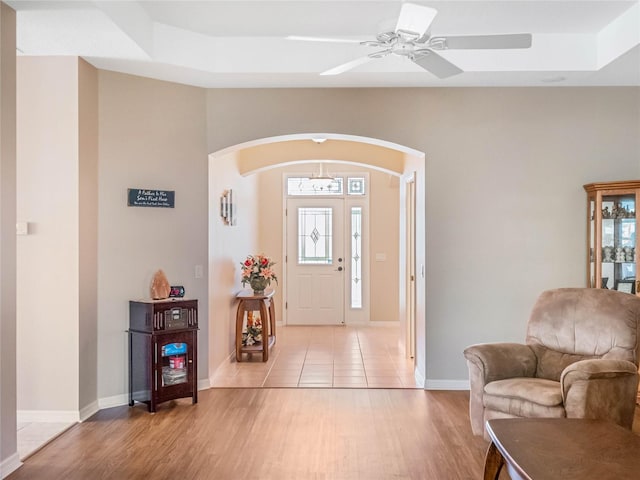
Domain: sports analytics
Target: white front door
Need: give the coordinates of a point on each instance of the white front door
(315, 261)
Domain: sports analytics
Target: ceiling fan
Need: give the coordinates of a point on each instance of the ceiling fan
(411, 39)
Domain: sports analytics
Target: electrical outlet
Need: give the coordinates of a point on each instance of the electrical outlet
(199, 271)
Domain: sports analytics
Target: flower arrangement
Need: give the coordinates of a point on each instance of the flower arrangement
(257, 272)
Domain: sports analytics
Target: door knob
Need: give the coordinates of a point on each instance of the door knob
(339, 269)
(340, 259)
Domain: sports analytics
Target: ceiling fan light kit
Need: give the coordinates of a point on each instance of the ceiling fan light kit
(411, 39)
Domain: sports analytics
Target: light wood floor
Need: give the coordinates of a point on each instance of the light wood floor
(324, 357)
(272, 434)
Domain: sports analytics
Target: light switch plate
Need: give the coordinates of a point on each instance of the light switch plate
(22, 228)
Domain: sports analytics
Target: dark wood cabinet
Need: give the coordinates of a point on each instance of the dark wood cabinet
(163, 351)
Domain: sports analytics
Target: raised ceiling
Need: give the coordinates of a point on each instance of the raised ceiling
(244, 43)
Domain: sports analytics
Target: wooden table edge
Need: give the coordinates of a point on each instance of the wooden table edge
(496, 458)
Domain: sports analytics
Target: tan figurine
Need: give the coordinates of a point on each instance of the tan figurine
(160, 287)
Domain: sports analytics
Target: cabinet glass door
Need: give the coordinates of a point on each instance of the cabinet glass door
(618, 242)
(173, 358)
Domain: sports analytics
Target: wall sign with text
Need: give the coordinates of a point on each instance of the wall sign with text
(144, 197)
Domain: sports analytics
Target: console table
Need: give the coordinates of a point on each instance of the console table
(264, 305)
(567, 448)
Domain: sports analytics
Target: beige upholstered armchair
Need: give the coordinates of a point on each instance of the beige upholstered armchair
(580, 360)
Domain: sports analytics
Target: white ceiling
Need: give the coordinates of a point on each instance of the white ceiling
(244, 43)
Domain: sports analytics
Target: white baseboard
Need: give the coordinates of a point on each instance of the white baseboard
(89, 410)
(446, 384)
(123, 399)
(224, 363)
(10, 465)
(419, 378)
(47, 416)
(114, 401)
(366, 323)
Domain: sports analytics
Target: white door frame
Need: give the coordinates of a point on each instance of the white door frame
(352, 316)
(410, 193)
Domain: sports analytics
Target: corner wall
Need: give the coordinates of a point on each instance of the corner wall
(9, 460)
(57, 258)
(228, 246)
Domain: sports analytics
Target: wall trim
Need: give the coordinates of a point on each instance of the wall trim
(123, 399)
(446, 384)
(10, 465)
(89, 410)
(222, 364)
(419, 378)
(204, 384)
(114, 401)
(47, 416)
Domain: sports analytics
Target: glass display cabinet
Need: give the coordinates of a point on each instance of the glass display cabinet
(611, 235)
(162, 351)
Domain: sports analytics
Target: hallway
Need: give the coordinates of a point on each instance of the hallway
(324, 357)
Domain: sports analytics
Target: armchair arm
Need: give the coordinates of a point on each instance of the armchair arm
(494, 361)
(497, 361)
(602, 389)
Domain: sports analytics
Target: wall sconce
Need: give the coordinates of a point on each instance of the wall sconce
(226, 208)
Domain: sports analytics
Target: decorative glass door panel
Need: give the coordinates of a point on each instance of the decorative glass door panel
(315, 235)
(612, 242)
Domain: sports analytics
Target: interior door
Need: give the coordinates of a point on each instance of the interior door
(315, 261)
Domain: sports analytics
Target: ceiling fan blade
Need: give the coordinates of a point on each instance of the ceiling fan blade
(439, 66)
(347, 66)
(415, 19)
(517, 40)
(322, 39)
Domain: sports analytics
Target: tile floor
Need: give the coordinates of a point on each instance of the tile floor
(324, 357)
(35, 435)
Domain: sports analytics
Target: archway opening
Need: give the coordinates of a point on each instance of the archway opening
(239, 169)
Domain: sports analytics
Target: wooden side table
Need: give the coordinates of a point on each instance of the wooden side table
(256, 303)
(567, 448)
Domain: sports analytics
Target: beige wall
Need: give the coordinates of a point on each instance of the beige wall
(57, 260)
(151, 135)
(383, 231)
(504, 175)
(504, 199)
(8, 452)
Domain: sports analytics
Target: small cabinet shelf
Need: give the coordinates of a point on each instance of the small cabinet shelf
(254, 308)
(162, 351)
(611, 235)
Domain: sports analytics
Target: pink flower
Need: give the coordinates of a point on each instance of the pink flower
(266, 273)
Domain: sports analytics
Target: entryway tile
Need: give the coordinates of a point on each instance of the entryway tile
(324, 357)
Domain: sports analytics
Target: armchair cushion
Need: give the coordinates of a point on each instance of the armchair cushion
(525, 397)
(535, 390)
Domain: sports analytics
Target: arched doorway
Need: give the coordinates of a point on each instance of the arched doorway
(235, 168)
